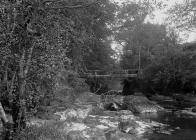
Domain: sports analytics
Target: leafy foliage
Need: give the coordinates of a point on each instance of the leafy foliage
(39, 39)
(183, 16)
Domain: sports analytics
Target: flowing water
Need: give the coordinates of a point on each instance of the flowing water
(181, 126)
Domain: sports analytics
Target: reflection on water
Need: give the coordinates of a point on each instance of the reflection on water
(187, 134)
(181, 126)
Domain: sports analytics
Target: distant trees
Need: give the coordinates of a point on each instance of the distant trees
(134, 35)
(145, 43)
(155, 49)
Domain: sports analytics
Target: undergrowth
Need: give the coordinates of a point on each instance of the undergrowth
(44, 132)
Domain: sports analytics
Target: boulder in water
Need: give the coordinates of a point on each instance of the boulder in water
(113, 106)
(113, 102)
(141, 104)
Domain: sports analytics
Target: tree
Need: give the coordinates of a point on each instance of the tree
(41, 38)
(36, 37)
(27, 44)
(183, 15)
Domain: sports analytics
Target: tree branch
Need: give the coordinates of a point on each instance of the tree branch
(73, 6)
(29, 60)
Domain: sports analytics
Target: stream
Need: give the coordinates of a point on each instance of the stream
(181, 123)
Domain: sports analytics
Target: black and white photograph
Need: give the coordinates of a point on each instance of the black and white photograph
(97, 69)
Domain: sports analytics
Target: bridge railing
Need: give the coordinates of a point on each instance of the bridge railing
(114, 73)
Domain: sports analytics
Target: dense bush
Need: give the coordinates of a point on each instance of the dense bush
(98, 85)
(172, 73)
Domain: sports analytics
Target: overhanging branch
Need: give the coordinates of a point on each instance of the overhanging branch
(71, 6)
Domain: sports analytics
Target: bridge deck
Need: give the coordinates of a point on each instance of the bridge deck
(112, 74)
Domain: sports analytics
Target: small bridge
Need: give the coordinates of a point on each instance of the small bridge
(112, 74)
(114, 77)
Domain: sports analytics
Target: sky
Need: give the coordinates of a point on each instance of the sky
(160, 18)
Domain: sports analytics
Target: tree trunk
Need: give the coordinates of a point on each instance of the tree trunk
(3, 115)
(19, 109)
(7, 132)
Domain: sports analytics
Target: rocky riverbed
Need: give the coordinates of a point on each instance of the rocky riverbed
(92, 119)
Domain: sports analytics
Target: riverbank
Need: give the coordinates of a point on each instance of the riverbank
(91, 118)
